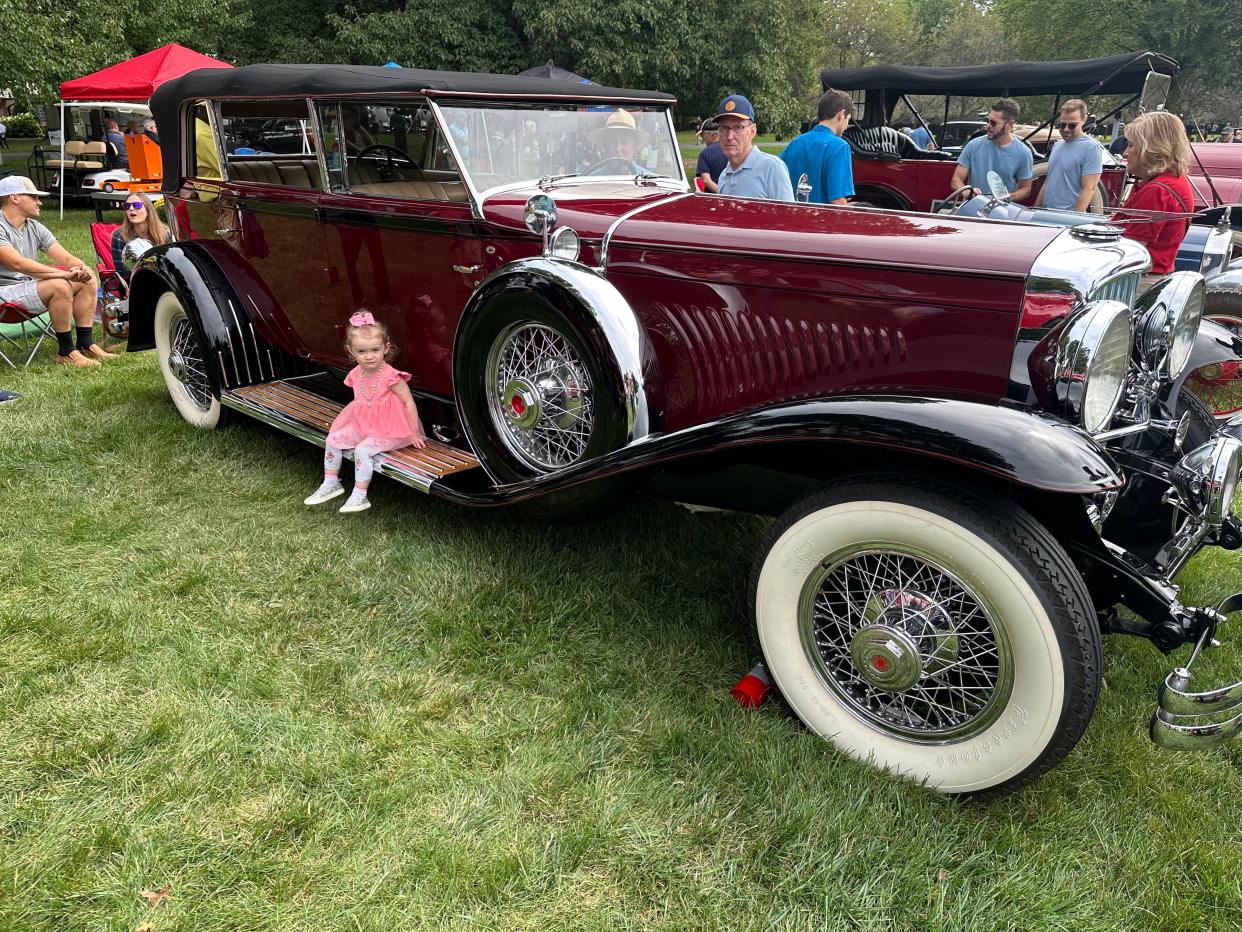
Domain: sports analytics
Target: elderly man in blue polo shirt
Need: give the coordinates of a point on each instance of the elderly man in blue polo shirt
(822, 155)
(750, 172)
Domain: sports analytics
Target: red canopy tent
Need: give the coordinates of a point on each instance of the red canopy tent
(134, 80)
(137, 78)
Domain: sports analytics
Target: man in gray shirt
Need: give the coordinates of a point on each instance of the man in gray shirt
(67, 294)
(1075, 164)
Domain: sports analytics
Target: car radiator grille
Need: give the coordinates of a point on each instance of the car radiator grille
(1124, 288)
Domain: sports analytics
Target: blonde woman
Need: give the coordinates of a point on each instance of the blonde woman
(141, 223)
(1157, 155)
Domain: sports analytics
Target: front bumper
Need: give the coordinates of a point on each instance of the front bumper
(1190, 721)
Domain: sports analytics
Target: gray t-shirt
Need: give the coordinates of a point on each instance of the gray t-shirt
(1069, 161)
(1012, 162)
(29, 241)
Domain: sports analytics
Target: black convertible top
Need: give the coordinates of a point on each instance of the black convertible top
(268, 81)
(1117, 74)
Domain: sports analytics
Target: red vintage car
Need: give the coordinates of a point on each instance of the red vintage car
(890, 171)
(972, 444)
(1216, 173)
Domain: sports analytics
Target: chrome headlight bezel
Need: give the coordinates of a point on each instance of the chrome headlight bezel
(1217, 251)
(1168, 316)
(565, 244)
(1206, 478)
(1092, 362)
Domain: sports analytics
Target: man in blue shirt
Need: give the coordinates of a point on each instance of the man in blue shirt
(750, 172)
(999, 151)
(922, 138)
(822, 155)
(712, 159)
(117, 156)
(1075, 164)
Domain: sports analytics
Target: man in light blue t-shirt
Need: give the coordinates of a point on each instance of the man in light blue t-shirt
(999, 151)
(1075, 163)
(750, 172)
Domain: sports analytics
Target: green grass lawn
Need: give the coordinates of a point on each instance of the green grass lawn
(426, 717)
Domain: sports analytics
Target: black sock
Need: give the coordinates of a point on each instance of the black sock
(86, 336)
(64, 342)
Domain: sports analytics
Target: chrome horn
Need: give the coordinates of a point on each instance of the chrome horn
(1188, 721)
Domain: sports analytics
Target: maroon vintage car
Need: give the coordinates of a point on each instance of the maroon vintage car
(1216, 173)
(972, 443)
(890, 171)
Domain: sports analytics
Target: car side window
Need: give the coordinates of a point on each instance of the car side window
(270, 142)
(388, 149)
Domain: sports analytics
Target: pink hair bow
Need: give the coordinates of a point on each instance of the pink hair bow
(362, 319)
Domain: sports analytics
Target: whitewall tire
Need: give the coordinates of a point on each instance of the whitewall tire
(935, 632)
(184, 364)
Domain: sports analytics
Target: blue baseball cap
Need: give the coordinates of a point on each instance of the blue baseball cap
(736, 105)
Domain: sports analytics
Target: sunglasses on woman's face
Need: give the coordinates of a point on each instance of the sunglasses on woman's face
(134, 205)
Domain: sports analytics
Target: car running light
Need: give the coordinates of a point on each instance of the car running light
(565, 244)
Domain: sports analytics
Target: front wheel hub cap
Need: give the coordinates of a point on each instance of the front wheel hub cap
(521, 404)
(176, 363)
(886, 657)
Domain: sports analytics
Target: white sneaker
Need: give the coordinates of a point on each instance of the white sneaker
(330, 489)
(357, 501)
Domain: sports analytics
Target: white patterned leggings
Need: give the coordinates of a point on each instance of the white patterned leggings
(363, 466)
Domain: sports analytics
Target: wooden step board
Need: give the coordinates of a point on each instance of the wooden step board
(304, 414)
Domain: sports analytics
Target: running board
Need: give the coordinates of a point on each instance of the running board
(304, 414)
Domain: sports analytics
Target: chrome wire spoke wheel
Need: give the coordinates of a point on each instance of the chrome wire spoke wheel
(905, 645)
(185, 361)
(540, 397)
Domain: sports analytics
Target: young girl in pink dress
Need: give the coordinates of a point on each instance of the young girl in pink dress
(381, 417)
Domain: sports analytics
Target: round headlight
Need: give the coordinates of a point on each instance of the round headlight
(1169, 314)
(1092, 362)
(565, 244)
(1207, 478)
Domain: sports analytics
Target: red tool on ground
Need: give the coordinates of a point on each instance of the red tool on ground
(753, 688)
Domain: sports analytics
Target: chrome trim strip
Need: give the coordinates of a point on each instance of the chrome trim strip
(603, 246)
(289, 425)
(1074, 267)
(476, 200)
(317, 129)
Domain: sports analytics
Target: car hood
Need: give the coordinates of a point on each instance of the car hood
(589, 208)
(857, 236)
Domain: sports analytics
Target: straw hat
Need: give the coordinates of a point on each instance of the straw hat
(620, 121)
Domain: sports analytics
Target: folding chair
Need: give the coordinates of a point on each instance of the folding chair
(31, 326)
(113, 306)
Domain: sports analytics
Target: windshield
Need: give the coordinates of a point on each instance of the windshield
(506, 143)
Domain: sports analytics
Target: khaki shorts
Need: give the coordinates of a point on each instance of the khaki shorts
(24, 293)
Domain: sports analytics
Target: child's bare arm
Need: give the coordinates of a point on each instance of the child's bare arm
(402, 391)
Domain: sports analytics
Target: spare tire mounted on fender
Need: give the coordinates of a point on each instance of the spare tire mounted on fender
(547, 370)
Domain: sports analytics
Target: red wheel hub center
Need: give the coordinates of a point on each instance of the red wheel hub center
(880, 663)
(518, 405)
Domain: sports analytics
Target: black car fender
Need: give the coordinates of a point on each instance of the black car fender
(1017, 446)
(236, 354)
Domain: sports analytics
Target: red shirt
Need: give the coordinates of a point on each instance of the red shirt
(1161, 237)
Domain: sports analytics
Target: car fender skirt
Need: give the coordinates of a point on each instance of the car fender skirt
(605, 320)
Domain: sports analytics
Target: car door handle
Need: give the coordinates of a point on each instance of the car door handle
(466, 269)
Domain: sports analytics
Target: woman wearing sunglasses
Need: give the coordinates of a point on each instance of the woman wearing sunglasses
(141, 223)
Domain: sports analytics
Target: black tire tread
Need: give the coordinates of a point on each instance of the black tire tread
(1035, 551)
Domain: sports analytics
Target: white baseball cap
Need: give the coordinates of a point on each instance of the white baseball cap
(19, 184)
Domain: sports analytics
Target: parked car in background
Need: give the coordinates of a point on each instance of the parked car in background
(973, 446)
(911, 180)
(955, 134)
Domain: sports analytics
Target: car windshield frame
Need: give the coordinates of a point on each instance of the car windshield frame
(479, 193)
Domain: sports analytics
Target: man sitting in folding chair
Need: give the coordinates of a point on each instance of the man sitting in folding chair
(67, 294)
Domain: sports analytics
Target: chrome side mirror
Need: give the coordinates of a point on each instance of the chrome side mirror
(540, 216)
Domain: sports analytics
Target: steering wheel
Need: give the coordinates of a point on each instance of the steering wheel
(626, 164)
(390, 172)
(956, 199)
